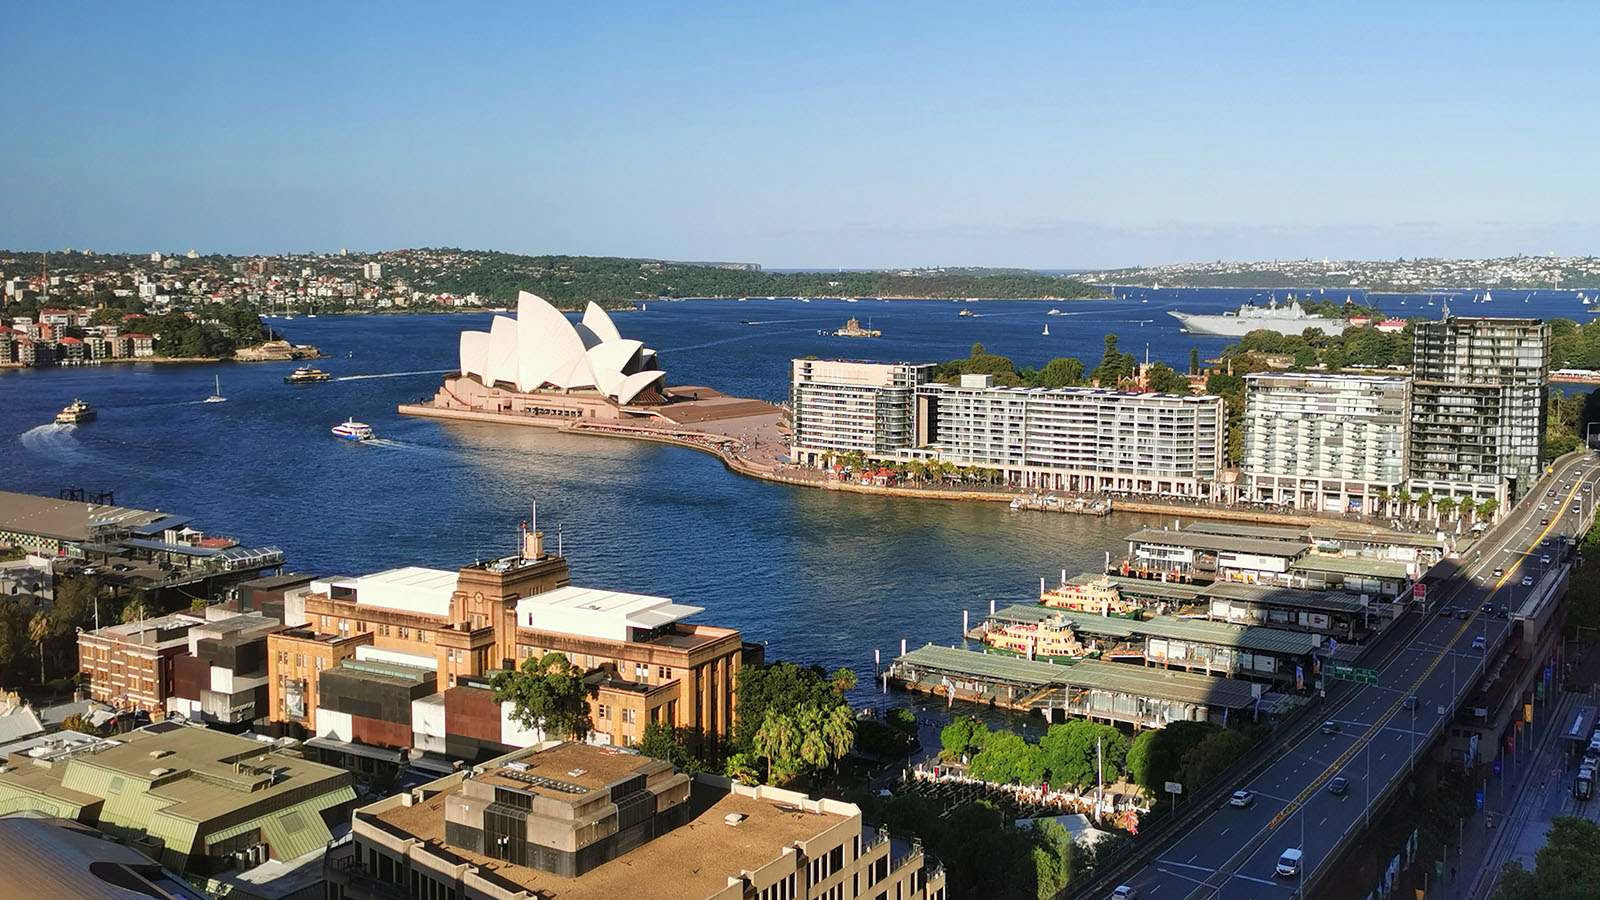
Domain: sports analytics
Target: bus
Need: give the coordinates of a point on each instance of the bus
(1583, 787)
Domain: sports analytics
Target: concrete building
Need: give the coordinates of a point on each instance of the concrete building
(644, 662)
(1478, 406)
(196, 800)
(1325, 442)
(840, 406)
(1076, 439)
(586, 823)
(372, 271)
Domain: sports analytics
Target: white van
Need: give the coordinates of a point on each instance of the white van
(1289, 863)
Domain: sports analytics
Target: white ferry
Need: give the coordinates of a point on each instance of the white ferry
(351, 430)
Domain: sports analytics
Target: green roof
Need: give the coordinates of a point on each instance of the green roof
(1269, 595)
(1219, 543)
(1138, 681)
(1351, 565)
(1199, 631)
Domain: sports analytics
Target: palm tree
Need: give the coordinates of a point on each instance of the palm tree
(1488, 507)
(39, 629)
(1383, 500)
(1446, 506)
(843, 679)
(838, 730)
(1424, 503)
(811, 748)
(776, 740)
(1404, 499)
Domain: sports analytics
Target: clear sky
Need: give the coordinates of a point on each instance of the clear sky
(1045, 134)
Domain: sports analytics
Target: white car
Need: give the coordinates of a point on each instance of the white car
(1123, 892)
(1527, 581)
(1242, 799)
(1289, 863)
(1477, 642)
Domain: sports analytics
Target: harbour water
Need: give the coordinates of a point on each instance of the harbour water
(820, 576)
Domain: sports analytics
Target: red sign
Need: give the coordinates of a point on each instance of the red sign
(1419, 591)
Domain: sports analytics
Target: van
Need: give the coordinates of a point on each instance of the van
(1289, 863)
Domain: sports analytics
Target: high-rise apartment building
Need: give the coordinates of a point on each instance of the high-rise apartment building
(372, 271)
(1478, 406)
(1324, 442)
(1076, 439)
(841, 406)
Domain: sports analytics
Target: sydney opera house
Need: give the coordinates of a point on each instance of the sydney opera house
(542, 351)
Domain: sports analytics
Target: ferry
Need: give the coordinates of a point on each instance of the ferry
(1099, 596)
(306, 375)
(1051, 639)
(75, 412)
(351, 430)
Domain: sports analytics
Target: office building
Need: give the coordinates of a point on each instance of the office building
(1076, 439)
(197, 801)
(401, 659)
(585, 823)
(372, 271)
(841, 406)
(1329, 443)
(1478, 406)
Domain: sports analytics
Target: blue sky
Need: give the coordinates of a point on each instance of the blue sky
(806, 134)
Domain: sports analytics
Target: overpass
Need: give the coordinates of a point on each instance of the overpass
(1375, 732)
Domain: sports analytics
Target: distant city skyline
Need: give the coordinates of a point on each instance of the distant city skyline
(823, 136)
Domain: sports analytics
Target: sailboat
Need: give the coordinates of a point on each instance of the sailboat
(1486, 296)
(1047, 329)
(216, 395)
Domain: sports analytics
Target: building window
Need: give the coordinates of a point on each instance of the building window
(402, 632)
(601, 712)
(665, 673)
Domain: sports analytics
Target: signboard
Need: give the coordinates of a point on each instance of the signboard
(1174, 788)
(1346, 672)
(1419, 591)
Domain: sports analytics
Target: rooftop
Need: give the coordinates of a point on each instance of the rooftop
(1348, 565)
(68, 520)
(1219, 543)
(691, 861)
(1162, 684)
(1327, 601)
(569, 771)
(1202, 631)
(157, 634)
(411, 588)
(200, 774)
(1143, 587)
(46, 857)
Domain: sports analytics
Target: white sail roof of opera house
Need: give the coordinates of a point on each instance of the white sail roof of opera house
(541, 349)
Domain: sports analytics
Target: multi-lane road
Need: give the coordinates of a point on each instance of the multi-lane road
(1375, 731)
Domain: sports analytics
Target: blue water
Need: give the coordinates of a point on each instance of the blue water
(822, 577)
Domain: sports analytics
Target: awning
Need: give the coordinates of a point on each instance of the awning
(379, 753)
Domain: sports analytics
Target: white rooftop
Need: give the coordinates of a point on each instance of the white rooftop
(411, 588)
(598, 613)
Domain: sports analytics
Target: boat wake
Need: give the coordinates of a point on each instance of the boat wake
(51, 438)
(394, 374)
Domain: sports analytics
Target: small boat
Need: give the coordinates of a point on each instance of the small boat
(351, 430)
(216, 394)
(75, 412)
(965, 312)
(306, 375)
(1053, 312)
(1047, 330)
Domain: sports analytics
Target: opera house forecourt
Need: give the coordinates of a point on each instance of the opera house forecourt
(543, 369)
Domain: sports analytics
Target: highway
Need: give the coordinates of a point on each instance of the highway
(1232, 853)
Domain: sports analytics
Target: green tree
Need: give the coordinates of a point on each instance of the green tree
(135, 610)
(964, 735)
(977, 350)
(1215, 752)
(781, 686)
(40, 629)
(1160, 377)
(844, 680)
(1061, 372)
(13, 631)
(1114, 365)
(1156, 755)
(1194, 360)
(1567, 866)
(1007, 757)
(1052, 854)
(662, 741)
(77, 722)
(547, 693)
(778, 741)
(1070, 751)
(743, 768)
